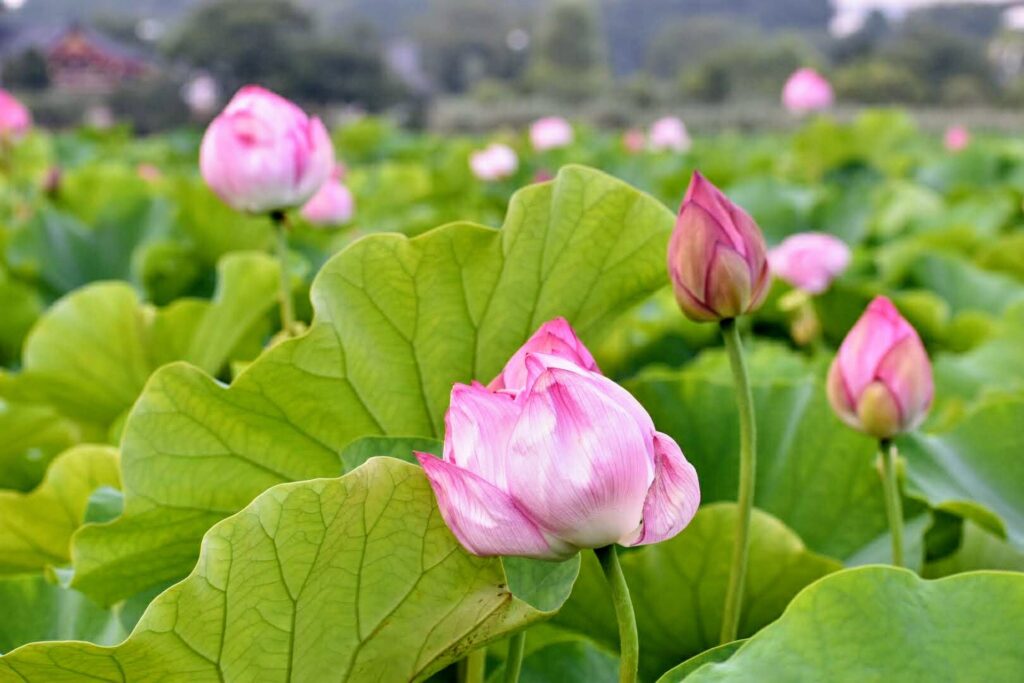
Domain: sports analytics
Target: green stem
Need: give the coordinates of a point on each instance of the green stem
(285, 293)
(748, 474)
(629, 643)
(514, 661)
(893, 504)
(473, 667)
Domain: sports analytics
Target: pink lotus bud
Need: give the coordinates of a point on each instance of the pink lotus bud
(881, 380)
(332, 204)
(550, 132)
(716, 257)
(634, 140)
(263, 153)
(809, 260)
(15, 119)
(807, 91)
(572, 461)
(553, 338)
(669, 134)
(494, 162)
(957, 138)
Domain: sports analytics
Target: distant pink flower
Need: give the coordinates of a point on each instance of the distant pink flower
(807, 91)
(550, 132)
(957, 138)
(634, 140)
(669, 134)
(333, 203)
(148, 172)
(568, 461)
(881, 379)
(263, 153)
(716, 257)
(15, 119)
(494, 162)
(809, 260)
(542, 175)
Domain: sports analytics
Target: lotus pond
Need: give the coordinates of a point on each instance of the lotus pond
(191, 490)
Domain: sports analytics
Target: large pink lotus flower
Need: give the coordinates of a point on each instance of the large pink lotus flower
(550, 132)
(881, 380)
(565, 460)
(332, 204)
(716, 257)
(494, 162)
(263, 153)
(669, 134)
(956, 138)
(809, 261)
(15, 119)
(805, 91)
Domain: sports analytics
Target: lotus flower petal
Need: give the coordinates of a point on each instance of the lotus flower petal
(556, 338)
(486, 520)
(578, 461)
(674, 495)
(477, 427)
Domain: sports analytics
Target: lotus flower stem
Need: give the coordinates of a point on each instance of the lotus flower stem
(287, 307)
(748, 473)
(629, 644)
(893, 506)
(473, 667)
(514, 661)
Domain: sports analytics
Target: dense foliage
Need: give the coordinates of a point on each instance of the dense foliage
(186, 492)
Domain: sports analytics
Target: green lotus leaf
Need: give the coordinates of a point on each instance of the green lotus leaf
(398, 321)
(91, 353)
(36, 527)
(356, 578)
(813, 473)
(974, 470)
(678, 587)
(885, 624)
(30, 436)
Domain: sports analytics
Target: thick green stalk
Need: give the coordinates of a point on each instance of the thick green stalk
(285, 293)
(473, 667)
(748, 474)
(514, 661)
(893, 504)
(629, 642)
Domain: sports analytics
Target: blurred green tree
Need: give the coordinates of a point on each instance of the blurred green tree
(464, 42)
(244, 41)
(569, 60)
(274, 43)
(27, 71)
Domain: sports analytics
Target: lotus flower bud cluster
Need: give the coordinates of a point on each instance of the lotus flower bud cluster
(809, 261)
(881, 380)
(807, 91)
(494, 162)
(550, 132)
(15, 119)
(669, 134)
(552, 457)
(263, 153)
(717, 258)
(332, 204)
